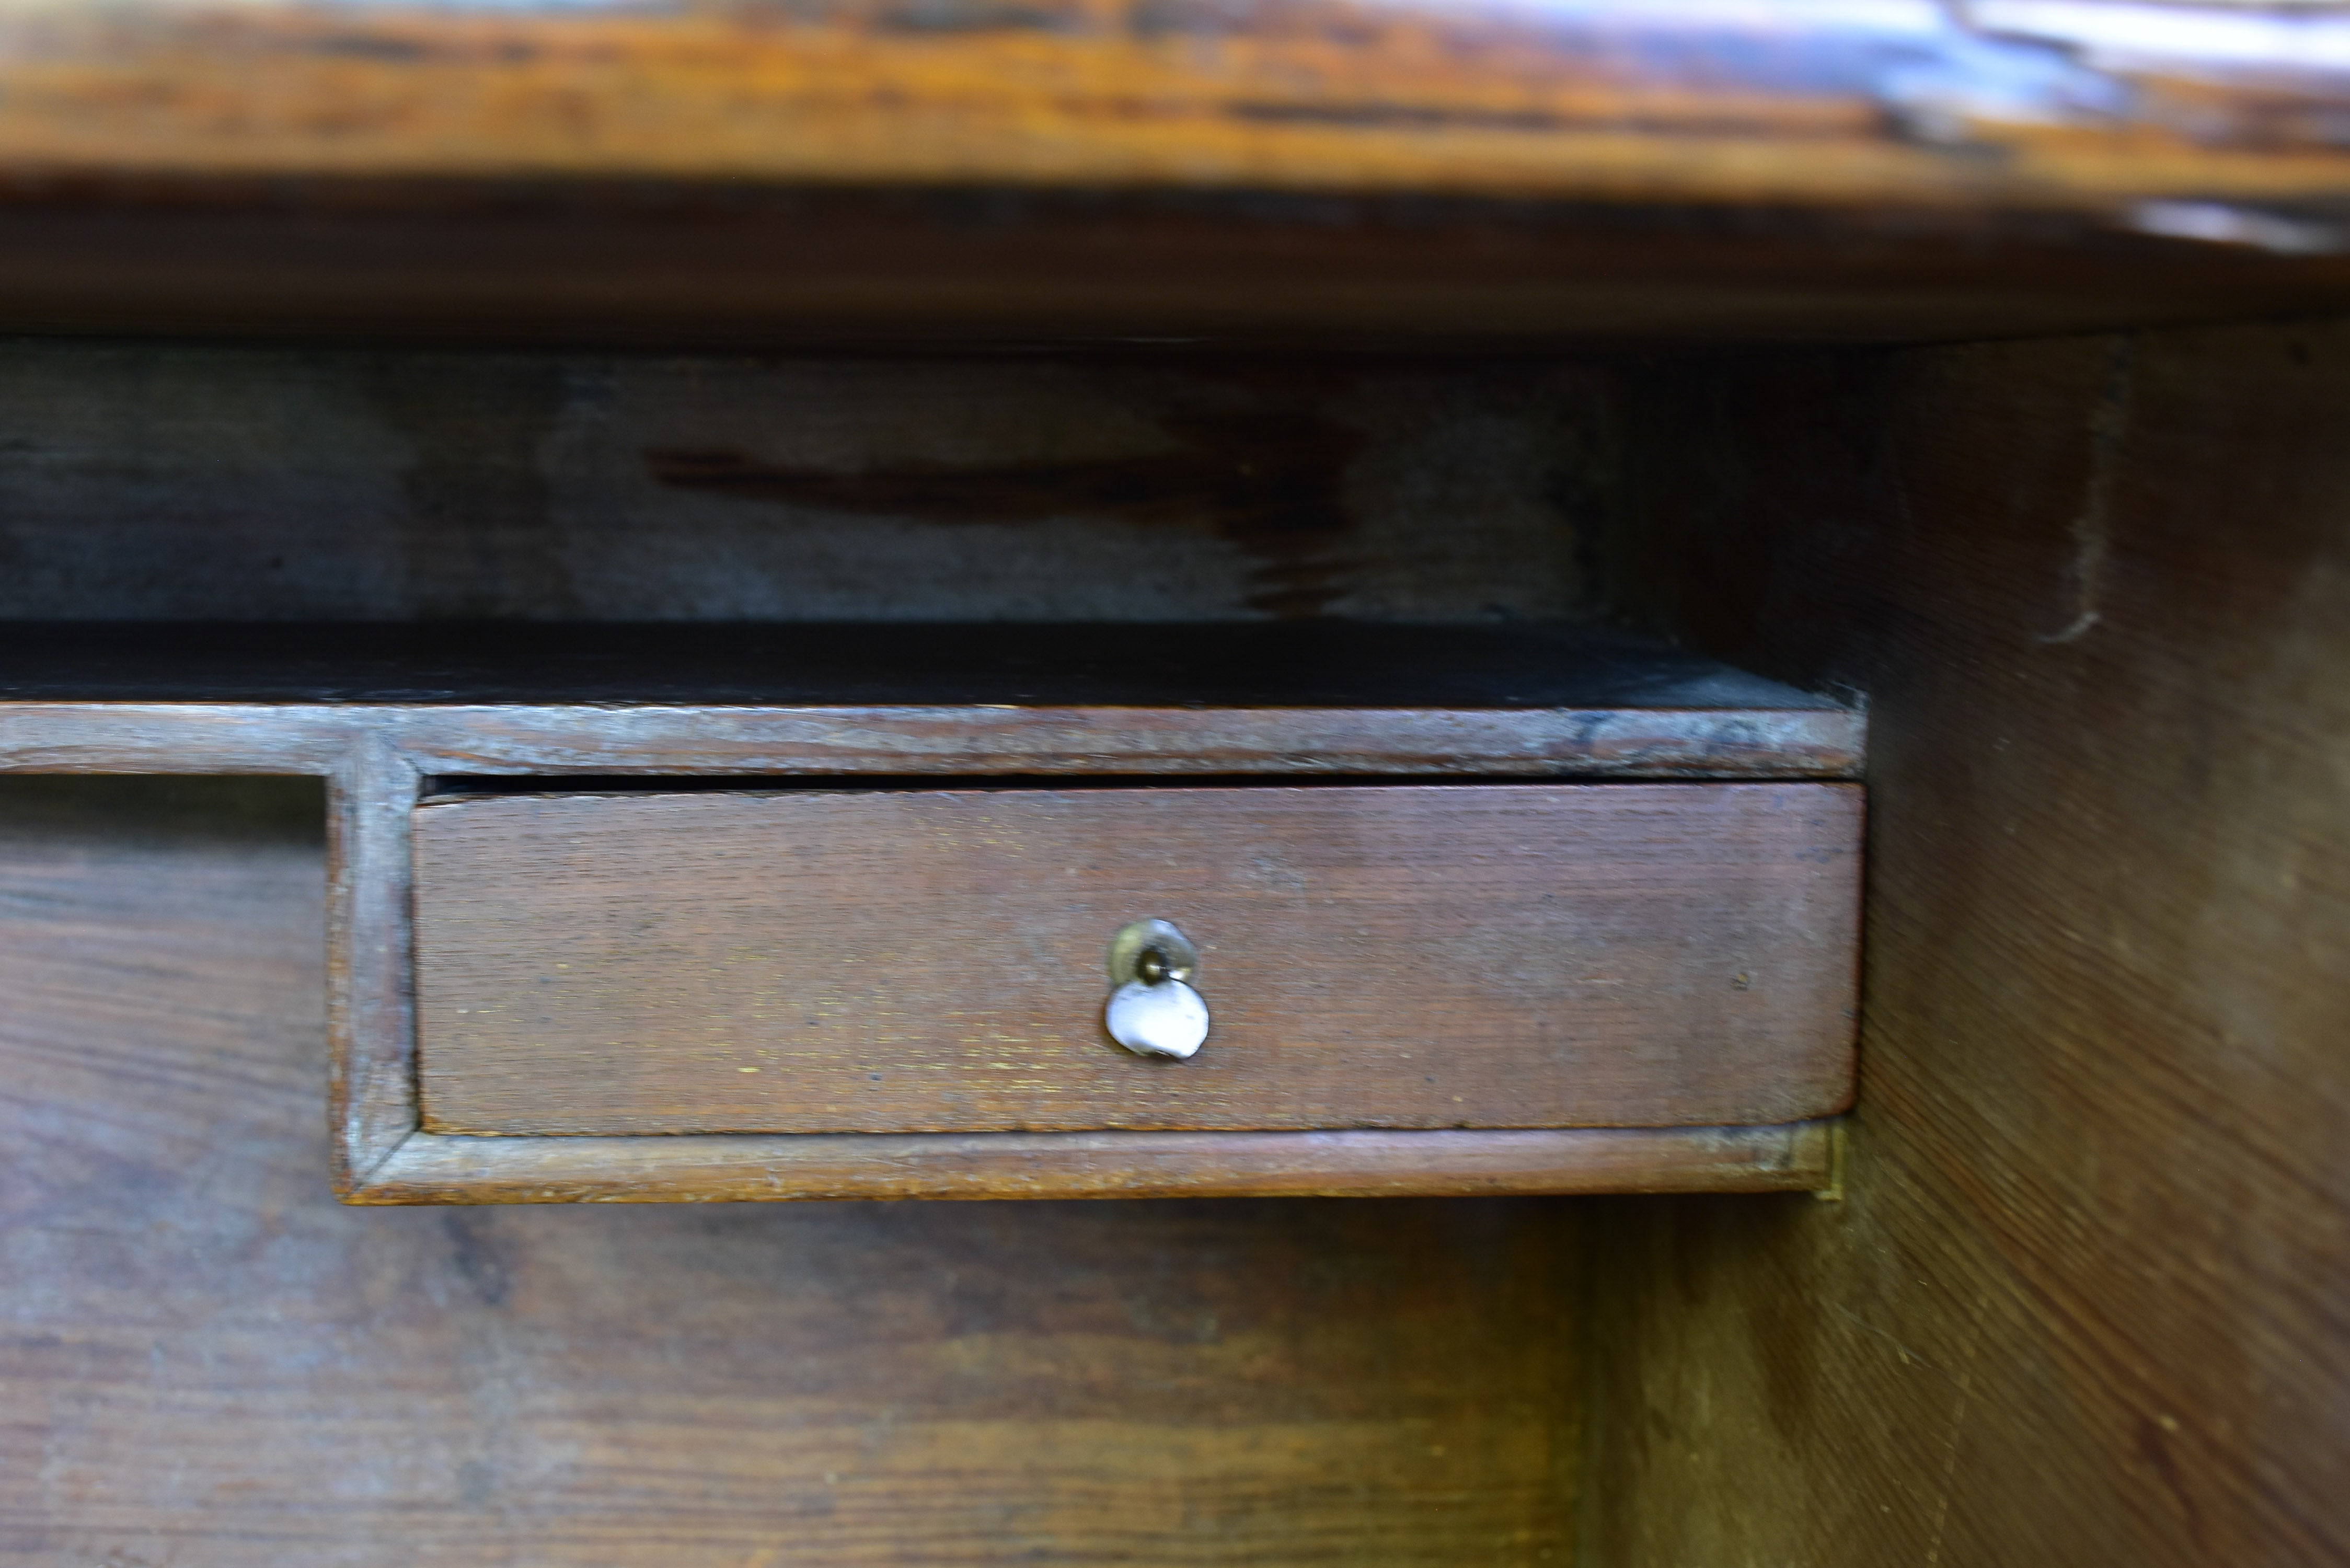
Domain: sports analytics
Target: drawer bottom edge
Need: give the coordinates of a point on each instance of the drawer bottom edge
(435, 1168)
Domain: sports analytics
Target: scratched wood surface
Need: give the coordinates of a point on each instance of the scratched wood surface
(212, 1365)
(2083, 1303)
(1103, 171)
(932, 961)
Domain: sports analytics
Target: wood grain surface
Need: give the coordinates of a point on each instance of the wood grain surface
(434, 1168)
(1341, 171)
(1693, 719)
(2051, 106)
(932, 961)
(517, 740)
(2084, 1304)
(209, 1364)
(343, 483)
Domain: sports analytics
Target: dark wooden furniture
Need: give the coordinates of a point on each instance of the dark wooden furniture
(402, 395)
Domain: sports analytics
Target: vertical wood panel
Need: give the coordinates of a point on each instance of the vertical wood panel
(2084, 1305)
(370, 957)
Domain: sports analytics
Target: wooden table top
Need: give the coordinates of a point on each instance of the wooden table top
(1319, 171)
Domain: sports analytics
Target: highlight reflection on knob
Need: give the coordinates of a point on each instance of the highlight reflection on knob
(1153, 1011)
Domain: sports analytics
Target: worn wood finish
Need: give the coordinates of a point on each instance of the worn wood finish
(932, 961)
(866, 672)
(1803, 739)
(376, 485)
(370, 957)
(478, 700)
(1104, 170)
(432, 1168)
(519, 740)
(209, 1363)
(1691, 719)
(1702, 721)
(2084, 1302)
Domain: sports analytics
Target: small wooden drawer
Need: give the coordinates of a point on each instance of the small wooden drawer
(657, 914)
(904, 961)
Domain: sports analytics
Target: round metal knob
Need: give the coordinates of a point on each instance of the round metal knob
(1153, 1011)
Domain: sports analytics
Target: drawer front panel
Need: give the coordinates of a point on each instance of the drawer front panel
(1438, 956)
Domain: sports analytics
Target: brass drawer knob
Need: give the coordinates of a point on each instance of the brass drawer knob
(1153, 1011)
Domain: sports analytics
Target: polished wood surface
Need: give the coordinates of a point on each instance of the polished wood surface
(2045, 105)
(1103, 171)
(932, 961)
(210, 1365)
(2082, 1302)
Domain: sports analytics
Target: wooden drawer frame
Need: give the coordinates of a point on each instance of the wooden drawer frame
(379, 759)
